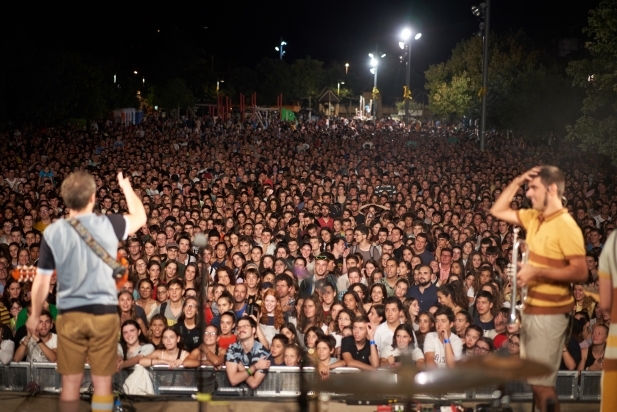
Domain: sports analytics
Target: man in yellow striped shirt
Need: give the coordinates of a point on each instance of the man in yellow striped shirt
(607, 272)
(556, 259)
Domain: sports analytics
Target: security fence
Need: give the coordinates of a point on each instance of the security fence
(279, 382)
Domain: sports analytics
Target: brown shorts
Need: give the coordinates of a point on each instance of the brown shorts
(83, 337)
(542, 339)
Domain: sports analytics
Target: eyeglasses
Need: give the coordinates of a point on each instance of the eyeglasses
(243, 327)
(482, 349)
(190, 305)
(210, 333)
(515, 344)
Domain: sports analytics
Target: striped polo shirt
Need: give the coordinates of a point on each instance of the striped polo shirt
(607, 269)
(552, 240)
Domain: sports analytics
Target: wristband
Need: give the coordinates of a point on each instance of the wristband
(446, 341)
(38, 342)
(248, 370)
(371, 342)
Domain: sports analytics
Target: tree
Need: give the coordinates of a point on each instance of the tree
(596, 129)
(510, 57)
(175, 93)
(307, 78)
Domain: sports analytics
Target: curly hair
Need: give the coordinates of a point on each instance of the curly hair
(279, 320)
(318, 319)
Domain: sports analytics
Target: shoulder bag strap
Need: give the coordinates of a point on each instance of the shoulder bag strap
(99, 250)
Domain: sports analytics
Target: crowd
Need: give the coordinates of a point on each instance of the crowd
(333, 244)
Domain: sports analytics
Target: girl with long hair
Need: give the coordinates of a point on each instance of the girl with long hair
(211, 353)
(126, 310)
(170, 272)
(172, 354)
(150, 249)
(224, 276)
(188, 324)
(412, 311)
(133, 343)
(158, 323)
(154, 274)
(426, 324)
(192, 278)
(376, 295)
(145, 301)
(312, 315)
(352, 301)
(402, 344)
(453, 296)
(271, 319)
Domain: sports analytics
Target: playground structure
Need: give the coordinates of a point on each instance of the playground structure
(224, 109)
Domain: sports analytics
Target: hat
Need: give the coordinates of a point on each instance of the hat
(268, 182)
(172, 245)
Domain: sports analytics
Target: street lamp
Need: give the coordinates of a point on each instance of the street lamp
(217, 85)
(406, 44)
(483, 11)
(338, 88)
(374, 62)
(346, 67)
(280, 49)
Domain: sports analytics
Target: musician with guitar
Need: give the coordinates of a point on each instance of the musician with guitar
(556, 258)
(80, 249)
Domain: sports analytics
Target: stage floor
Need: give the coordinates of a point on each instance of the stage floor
(20, 402)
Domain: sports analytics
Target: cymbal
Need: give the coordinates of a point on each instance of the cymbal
(505, 367)
(408, 380)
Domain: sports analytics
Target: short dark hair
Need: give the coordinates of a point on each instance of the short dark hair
(444, 310)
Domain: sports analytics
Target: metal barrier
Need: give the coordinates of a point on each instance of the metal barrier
(280, 382)
(15, 377)
(591, 386)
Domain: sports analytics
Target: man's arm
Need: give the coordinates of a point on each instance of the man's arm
(22, 350)
(48, 352)
(606, 293)
(235, 374)
(501, 209)
(40, 291)
(136, 217)
(576, 271)
(429, 359)
(450, 358)
(352, 363)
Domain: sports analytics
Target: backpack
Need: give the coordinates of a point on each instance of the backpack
(371, 250)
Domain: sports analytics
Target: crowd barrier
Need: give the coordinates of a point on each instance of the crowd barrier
(280, 382)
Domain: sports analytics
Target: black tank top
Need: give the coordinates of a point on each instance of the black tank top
(590, 358)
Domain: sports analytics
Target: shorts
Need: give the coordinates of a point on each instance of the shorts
(542, 339)
(84, 337)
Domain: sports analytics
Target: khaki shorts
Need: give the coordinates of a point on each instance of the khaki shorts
(542, 339)
(84, 337)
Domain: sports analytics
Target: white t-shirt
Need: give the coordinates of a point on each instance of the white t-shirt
(7, 350)
(416, 353)
(143, 350)
(35, 353)
(383, 337)
(433, 344)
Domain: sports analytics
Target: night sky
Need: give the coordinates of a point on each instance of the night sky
(241, 33)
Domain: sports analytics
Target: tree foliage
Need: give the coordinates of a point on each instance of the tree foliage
(596, 129)
(528, 91)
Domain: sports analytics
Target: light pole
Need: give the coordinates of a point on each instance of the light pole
(406, 45)
(338, 88)
(217, 86)
(281, 49)
(483, 11)
(374, 62)
(346, 67)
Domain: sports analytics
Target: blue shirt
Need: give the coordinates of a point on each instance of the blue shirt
(426, 299)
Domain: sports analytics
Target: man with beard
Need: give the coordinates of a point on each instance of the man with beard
(425, 291)
(556, 259)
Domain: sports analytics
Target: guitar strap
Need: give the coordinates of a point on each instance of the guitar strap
(118, 269)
